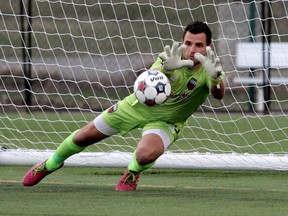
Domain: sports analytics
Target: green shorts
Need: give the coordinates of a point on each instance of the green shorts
(124, 118)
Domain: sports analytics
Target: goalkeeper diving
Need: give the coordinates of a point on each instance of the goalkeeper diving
(194, 72)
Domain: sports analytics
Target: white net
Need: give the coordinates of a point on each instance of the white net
(63, 62)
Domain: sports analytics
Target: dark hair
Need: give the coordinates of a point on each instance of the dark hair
(198, 27)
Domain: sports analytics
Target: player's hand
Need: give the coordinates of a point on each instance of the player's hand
(211, 64)
(172, 58)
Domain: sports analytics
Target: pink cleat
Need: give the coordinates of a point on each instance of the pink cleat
(36, 174)
(128, 181)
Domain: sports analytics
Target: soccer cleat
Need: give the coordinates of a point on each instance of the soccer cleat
(36, 174)
(128, 181)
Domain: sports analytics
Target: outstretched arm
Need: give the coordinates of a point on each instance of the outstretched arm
(218, 91)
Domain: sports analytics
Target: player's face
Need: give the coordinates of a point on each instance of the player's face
(196, 43)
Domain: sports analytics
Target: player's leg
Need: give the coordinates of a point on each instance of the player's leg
(148, 150)
(153, 144)
(77, 142)
(92, 133)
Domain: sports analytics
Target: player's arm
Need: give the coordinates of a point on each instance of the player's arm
(157, 65)
(218, 91)
(213, 67)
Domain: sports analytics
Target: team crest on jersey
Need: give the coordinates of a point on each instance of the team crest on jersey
(113, 108)
(184, 95)
(191, 84)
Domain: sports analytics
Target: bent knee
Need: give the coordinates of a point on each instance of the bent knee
(145, 155)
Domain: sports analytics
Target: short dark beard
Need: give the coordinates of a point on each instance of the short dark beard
(197, 63)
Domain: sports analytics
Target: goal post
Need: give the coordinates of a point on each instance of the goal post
(64, 62)
(168, 160)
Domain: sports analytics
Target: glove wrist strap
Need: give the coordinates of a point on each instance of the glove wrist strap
(163, 70)
(217, 81)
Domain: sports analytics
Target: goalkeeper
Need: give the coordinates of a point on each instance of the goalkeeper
(194, 72)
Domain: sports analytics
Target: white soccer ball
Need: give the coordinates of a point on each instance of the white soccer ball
(152, 87)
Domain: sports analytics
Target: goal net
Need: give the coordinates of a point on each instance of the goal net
(64, 62)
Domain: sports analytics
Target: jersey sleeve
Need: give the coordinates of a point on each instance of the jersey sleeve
(158, 66)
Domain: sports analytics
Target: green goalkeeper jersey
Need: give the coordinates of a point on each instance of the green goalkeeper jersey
(190, 88)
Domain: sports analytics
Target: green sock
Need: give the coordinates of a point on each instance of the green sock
(135, 167)
(65, 150)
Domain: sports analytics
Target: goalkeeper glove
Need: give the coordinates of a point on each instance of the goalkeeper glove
(172, 57)
(212, 65)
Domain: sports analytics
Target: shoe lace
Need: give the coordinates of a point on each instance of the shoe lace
(131, 179)
(39, 169)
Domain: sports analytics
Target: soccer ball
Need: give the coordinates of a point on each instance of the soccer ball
(152, 88)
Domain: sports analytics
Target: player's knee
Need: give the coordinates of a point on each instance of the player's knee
(142, 157)
(145, 156)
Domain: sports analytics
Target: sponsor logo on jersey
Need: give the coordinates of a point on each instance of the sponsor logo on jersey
(191, 84)
(113, 108)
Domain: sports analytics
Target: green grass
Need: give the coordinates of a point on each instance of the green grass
(91, 191)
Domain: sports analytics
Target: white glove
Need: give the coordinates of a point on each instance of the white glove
(172, 58)
(212, 65)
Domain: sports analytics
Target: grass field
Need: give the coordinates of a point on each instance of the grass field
(91, 191)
